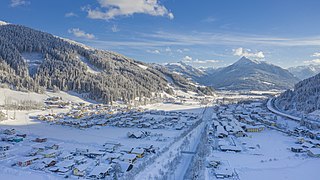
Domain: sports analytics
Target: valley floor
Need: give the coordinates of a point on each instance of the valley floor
(264, 155)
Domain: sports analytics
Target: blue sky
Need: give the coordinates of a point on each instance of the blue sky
(199, 32)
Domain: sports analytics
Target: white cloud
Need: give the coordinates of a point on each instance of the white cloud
(15, 3)
(197, 61)
(109, 9)
(187, 58)
(317, 54)
(79, 33)
(182, 50)
(209, 19)
(115, 28)
(247, 53)
(70, 14)
(314, 61)
(156, 51)
(168, 49)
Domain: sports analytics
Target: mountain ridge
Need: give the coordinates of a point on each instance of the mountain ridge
(65, 66)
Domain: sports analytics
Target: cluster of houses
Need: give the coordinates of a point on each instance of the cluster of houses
(309, 146)
(305, 132)
(237, 120)
(56, 102)
(87, 116)
(220, 168)
(89, 162)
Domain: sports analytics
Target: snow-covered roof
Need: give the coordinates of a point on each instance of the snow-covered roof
(102, 168)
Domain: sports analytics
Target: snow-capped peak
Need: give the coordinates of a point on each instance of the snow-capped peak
(245, 60)
(3, 23)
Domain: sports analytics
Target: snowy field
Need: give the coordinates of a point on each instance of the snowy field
(273, 160)
(71, 138)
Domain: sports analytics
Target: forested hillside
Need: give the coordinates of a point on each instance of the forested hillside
(305, 97)
(69, 66)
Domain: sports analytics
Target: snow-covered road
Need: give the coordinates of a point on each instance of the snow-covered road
(163, 164)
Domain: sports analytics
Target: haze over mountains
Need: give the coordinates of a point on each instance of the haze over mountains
(34, 60)
(304, 72)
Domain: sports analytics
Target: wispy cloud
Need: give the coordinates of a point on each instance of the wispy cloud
(16, 3)
(187, 58)
(156, 51)
(161, 40)
(79, 33)
(190, 60)
(209, 19)
(115, 28)
(314, 61)
(205, 38)
(316, 54)
(110, 9)
(247, 53)
(70, 14)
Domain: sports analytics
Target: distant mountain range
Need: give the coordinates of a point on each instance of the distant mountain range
(186, 70)
(35, 61)
(304, 72)
(245, 74)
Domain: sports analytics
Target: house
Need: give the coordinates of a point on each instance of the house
(94, 154)
(223, 173)
(25, 161)
(81, 151)
(136, 134)
(16, 139)
(65, 156)
(80, 170)
(9, 131)
(110, 147)
(49, 162)
(22, 135)
(124, 166)
(49, 153)
(213, 163)
(38, 166)
(249, 128)
(138, 152)
(230, 148)
(130, 158)
(64, 166)
(80, 159)
(51, 146)
(179, 127)
(314, 152)
(111, 156)
(100, 171)
(296, 149)
(221, 133)
(40, 140)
